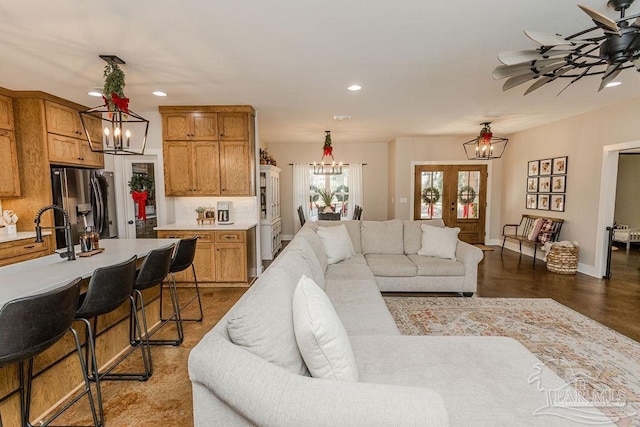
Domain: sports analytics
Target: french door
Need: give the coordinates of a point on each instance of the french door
(455, 193)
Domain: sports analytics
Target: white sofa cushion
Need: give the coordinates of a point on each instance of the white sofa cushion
(308, 232)
(353, 227)
(382, 237)
(391, 265)
(261, 322)
(439, 242)
(432, 266)
(413, 233)
(321, 338)
(303, 247)
(337, 243)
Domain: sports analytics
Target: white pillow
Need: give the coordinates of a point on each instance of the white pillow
(439, 242)
(322, 340)
(337, 243)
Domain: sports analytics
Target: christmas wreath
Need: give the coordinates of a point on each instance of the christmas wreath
(430, 195)
(467, 195)
(113, 90)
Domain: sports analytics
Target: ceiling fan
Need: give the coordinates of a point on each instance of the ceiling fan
(606, 49)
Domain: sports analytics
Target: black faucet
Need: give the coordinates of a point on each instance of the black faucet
(70, 254)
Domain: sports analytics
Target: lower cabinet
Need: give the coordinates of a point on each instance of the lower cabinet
(271, 239)
(221, 256)
(23, 250)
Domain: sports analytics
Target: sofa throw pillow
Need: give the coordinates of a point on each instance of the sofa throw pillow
(535, 229)
(546, 231)
(337, 243)
(320, 335)
(439, 242)
(382, 237)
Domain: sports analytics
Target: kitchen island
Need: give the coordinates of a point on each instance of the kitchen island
(57, 374)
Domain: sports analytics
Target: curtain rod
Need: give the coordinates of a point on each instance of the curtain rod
(329, 164)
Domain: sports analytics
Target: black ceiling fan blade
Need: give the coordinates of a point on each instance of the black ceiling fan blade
(503, 71)
(601, 20)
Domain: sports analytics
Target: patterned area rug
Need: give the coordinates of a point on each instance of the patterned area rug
(601, 363)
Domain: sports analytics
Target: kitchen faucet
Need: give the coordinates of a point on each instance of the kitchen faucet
(70, 254)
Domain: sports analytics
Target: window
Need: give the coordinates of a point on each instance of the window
(336, 184)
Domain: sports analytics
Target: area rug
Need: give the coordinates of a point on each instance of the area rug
(570, 344)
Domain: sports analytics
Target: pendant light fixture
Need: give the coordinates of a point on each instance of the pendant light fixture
(485, 146)
(327, 151)
(122, 132)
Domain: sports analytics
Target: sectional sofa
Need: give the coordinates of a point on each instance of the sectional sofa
(255, 367)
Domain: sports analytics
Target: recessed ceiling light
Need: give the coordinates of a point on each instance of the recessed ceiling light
(94, 93)
(613, 84)
(159, 93)
(342, 117)
(354, 87)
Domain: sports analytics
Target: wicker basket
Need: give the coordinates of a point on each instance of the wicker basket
(563, 259)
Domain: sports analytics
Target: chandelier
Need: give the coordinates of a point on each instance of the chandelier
(485, 146)
(122, 132)
(327, 151)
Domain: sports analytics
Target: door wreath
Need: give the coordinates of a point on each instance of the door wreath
(466, 197)
(430, 195)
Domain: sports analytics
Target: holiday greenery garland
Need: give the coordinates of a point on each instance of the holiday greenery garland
(430, 195)
(467, 195)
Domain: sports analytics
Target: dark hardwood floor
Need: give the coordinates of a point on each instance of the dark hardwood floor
(614, 302)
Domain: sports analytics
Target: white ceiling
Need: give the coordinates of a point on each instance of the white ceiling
(425, 66)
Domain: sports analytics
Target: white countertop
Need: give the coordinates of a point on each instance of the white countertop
(46, 273)
(20, 235)
(237, 226)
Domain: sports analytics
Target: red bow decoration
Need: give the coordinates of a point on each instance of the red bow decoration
(121, 104)
(328, 151)
(140, 197)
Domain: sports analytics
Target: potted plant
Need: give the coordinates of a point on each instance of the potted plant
(201, 210)
(327, 198)
(141, 187)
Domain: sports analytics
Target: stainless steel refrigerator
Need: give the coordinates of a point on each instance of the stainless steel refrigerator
(88, 196)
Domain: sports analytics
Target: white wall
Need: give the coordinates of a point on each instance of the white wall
(375, 174)
(582, 138)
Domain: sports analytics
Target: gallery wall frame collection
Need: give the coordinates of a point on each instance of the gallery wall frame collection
(547, 184)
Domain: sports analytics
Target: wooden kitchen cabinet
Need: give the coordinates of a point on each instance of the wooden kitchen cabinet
(66, 139)
(191, 168)
(221, 256)
(187, 126)
(23, 250)
(9, 173)
(208, 150)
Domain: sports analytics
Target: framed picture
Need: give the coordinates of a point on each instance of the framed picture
(545, 167)
(558, 184)
(559, 166)
(532, 201)
(533, 168)
(543, 202)
(544, 184)
(557, 202)
(532, 185)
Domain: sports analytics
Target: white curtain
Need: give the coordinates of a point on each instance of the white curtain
(300, 193)
(354, 182)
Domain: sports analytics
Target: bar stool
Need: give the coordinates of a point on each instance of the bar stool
(183, 259)
(29, 326)
(109, 287)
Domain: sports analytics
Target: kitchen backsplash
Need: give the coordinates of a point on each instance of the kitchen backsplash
(245, 209)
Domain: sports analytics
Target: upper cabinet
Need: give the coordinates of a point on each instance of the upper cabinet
(67, 141)
(9, 172)
(188, 126)
(208, 150)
